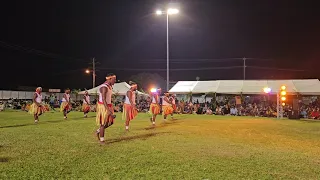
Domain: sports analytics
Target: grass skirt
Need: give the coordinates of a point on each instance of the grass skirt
(85, 108)
(38, 110)
(102, 114)
(166, 110)
(154, 109)
(129, 112)
(65, 107)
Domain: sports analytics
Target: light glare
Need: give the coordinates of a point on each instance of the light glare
(153, 90)
(283, 98)
(283, 87)
(158, 12)
(87, 71)
(283, 93)
(267, 90)
(173, 11)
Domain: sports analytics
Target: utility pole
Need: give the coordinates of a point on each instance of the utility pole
(278, 105)
(93, 72)
(168, 52)
(244, 68)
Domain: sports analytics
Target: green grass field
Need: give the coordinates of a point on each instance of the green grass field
(191, 147)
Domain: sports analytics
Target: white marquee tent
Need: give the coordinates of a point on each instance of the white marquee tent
(120, 88)
(302, 86)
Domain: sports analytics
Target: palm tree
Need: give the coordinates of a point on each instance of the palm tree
(76, 91)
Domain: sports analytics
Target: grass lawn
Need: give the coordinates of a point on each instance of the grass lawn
(191, 147)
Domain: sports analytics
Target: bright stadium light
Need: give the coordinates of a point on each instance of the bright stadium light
(153, 90)
(281, 101)
(159, 12)
(169, 12)
(267, 90)
(173, 11)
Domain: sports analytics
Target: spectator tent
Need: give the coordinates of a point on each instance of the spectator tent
(120, 88)
(303, 86)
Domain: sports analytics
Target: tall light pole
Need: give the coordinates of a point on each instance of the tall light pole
(170, 11)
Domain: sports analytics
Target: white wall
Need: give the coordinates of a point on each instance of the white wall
(29, 95)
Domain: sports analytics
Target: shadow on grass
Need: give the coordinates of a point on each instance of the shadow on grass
(306, 120)
(32, 124)
(130, 138)
(81, 118)
(162, 125)
(46, 122)
(4, 159)
(181, 116)
(18, 125)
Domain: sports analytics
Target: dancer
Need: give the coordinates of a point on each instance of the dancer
(86, 104)
(105, 112)
(154, 106)
(37, 108)
(129, 106)
(65, 105)
(173, 102)
(166, 106)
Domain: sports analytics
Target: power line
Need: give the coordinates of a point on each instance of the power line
(198, 69)
(36, 51)
(67, 72)
(197, 60)
(209, 60)
(278, 69)
(184, 69)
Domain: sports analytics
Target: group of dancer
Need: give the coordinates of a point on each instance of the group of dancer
(104, 111)
(37, 108)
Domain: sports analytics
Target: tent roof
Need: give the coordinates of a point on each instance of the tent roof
(120, 88)
(302, 86)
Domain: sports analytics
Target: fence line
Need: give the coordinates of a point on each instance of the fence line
(28, 95)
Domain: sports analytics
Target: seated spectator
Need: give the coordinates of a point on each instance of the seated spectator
(234, 111)
(209, 111)
(204, 109)
(194, 108)
(315, 114)
(1, 106)
(226, 110)
(303, 113)
(218, 111)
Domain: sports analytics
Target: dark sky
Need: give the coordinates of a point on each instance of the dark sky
(50, 43)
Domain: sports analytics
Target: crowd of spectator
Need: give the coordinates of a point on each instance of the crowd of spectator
(247, 108)
(224, 107)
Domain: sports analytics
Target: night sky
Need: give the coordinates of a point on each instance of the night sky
(51, 43)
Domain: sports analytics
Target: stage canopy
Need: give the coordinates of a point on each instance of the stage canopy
(120, 88)
(302, 86)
